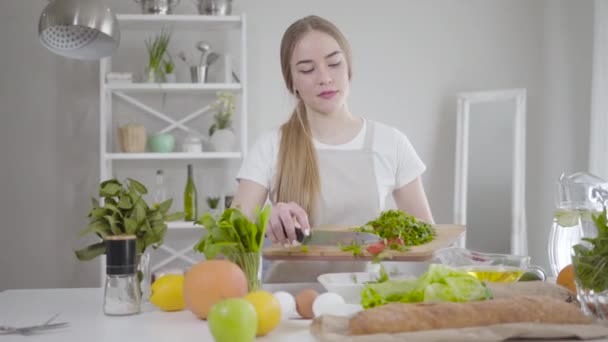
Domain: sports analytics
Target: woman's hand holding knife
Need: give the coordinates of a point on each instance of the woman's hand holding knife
(285, 218)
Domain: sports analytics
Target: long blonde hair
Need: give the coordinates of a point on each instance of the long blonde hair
(297, 169)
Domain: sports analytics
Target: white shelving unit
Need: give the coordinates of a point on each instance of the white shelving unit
(209, 88)
(174, 155)
(124, 91)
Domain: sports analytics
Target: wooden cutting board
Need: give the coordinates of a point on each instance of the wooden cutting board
(447, 234)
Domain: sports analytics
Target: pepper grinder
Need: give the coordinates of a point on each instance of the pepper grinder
(121, 296)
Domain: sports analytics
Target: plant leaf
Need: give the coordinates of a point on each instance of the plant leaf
(140, 188)
(207, 221)
(165, 206)
(99, 226)
(94, 202)
(113, 208)
(110, 189)
(91, 252)
(130, 225)
(175, 217)
(139, 213)
(97, 213)
(125, 202)
(212, 250)
(113, 225)
(261, 222)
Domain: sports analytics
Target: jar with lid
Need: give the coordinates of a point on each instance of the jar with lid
(122, 295)
(192, 144)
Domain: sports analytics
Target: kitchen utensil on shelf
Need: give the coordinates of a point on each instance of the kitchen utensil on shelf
(214, 7)
(205, 49)
(198, 74)
(212, 57)
(502, 268)
(334, 235)
(157, 6)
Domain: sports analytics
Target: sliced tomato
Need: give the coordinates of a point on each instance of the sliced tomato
(397, 241)
(375, 248)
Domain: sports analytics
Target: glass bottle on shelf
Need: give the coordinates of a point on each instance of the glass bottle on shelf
(160, 190)
(190, 200)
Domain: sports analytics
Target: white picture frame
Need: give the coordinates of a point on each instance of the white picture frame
(519, 241)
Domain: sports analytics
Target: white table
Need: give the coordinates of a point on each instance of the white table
(82, 308)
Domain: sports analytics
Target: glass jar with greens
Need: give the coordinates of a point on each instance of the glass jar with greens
(235, 237)
(590, 264)
(577, 201)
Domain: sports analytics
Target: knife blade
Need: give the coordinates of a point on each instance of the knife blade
(333, 235)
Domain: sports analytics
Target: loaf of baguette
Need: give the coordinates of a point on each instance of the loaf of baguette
(399, 317)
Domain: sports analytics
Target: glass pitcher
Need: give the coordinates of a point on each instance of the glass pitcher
(496, 268)
(579, 196)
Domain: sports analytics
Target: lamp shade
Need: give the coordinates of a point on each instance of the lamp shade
(81, 29)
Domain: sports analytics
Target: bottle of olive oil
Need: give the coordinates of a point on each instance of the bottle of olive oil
(190, 201)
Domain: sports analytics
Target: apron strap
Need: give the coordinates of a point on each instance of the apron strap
(369, 136)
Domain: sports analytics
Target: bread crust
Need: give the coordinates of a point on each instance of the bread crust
(400, 317)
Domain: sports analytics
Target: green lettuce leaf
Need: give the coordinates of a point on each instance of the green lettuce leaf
(440, 283)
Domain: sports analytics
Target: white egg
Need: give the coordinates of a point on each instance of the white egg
(327, 303)
(287, 302)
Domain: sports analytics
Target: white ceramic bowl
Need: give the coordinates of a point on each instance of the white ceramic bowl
(348, 285)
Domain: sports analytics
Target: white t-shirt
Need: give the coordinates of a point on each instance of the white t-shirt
(396, 163)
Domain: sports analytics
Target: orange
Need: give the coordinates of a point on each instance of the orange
(566, 278)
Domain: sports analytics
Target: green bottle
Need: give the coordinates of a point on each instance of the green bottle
(190, 202)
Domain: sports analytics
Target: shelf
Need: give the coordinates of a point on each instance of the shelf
(183, 225)
(178, 22)
(174, 155)
(172, 87)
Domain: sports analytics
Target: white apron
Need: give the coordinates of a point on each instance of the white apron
(349, 197)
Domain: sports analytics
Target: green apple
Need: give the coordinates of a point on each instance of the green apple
(233, 319)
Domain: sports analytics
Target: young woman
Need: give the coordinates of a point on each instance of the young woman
(326, 165)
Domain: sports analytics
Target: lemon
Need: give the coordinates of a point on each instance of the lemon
(168, 293)
(268, 310)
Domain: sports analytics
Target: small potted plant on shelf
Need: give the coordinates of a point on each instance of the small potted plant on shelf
(213, 204)
(222, 138)
(157, 48)
(125, 212)
(169, 66)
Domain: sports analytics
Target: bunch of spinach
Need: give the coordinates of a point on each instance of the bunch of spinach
(236, 238)
(590, 259)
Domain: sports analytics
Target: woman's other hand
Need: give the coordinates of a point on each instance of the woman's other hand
(285, 218)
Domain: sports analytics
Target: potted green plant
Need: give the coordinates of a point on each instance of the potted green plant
(169, 66)
(125, 212)
(221, 136)
(157, 48)
(213, 204)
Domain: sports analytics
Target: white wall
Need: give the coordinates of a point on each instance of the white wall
(409, 63)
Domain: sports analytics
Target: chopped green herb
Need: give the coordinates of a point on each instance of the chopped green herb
(354, 247)
(397, 225)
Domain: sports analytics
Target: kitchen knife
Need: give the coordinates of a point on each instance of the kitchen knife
(334, 235)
